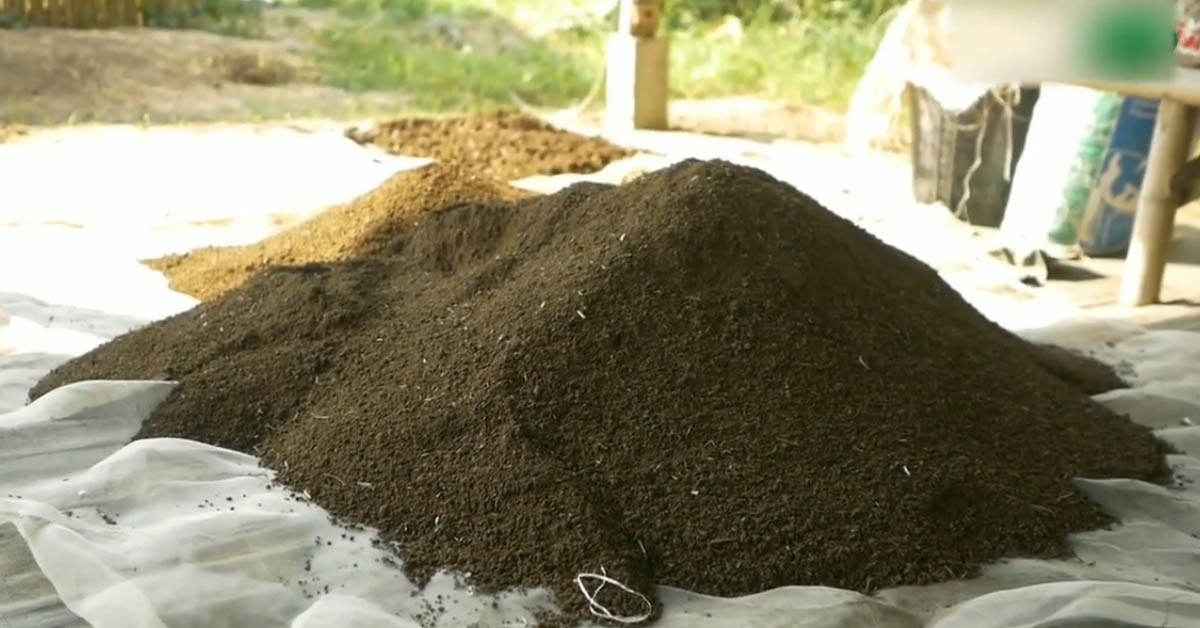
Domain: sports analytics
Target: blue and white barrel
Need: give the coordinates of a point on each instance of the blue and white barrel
(1107, 224)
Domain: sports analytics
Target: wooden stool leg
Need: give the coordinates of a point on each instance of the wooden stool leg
(1155, 219)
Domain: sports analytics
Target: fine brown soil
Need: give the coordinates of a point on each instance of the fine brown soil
(1085, 374)
(371, 224)
(503, 145)
(702, 379)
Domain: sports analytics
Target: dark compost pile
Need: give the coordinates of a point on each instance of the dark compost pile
(701, 378)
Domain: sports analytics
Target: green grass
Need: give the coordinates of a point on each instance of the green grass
(442, 76)
(816, 61)
(237, 18)
(809, 51)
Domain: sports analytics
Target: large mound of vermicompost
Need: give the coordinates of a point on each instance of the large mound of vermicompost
(702, 378)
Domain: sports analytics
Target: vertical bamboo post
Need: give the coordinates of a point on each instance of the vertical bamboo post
(74, 9)
(56, 14)
(1154, 222)
(636, 63)
(37, 12)
(95, 15)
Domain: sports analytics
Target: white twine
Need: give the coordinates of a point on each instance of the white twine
(599, 610)
(961, 210)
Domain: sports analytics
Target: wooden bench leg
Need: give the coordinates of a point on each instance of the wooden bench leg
(1155, 219)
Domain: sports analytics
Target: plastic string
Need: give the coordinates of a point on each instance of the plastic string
(961, 210)
(1008, 130)
(1007, 103)
(599, 610)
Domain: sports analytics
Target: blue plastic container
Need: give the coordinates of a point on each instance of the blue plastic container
(1107, 224)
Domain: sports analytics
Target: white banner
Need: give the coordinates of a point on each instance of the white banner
(1034, 41)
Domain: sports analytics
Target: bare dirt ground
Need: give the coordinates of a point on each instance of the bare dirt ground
(56, 76)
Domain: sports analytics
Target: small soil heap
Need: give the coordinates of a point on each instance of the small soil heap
(504, 145)
(372, 224)
(702, 379)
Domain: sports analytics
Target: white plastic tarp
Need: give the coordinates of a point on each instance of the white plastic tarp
(168, 532)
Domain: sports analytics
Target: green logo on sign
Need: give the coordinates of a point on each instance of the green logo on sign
(1128, 41)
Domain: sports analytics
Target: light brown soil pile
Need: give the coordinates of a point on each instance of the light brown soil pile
(702, 379)
(373, 224)
(503, 145)
(9, 132)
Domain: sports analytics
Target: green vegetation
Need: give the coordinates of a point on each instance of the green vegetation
(457, 54)
(238, 18)
(11, 20)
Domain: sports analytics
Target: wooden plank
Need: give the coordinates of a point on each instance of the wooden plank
(1154, 222)
(133, 13)
(90, 13)
(1182, 87)
(37, 12)
(76, 12)
(57, 13)
(84, 14)
(123, 14)
(112, 13)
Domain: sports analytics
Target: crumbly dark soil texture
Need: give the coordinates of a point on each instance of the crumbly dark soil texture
(702, 379)
(1082, 372)
(372, 224)
(504, 145)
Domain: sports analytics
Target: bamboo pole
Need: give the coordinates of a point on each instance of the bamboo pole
(1154, 221)
(636, 68)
